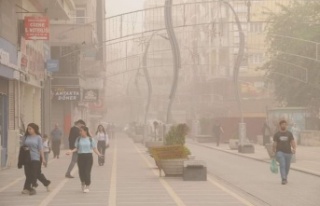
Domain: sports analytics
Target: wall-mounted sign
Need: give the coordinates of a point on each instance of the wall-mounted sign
(52, 65)
(36, 28)
(66, 94)
(90, 95)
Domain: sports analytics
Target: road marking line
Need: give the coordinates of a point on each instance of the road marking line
(113, 182)
(238, 197)
(56, 190)
(11, 184)
(163, 182)
(15, 181)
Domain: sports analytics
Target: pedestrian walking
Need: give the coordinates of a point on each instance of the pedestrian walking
(217, 132)
(30, 156)
(283, 147)
(56, 138)
(73, 135)
(266, 132)
(46, 148)
(84, 146)
(103, 142)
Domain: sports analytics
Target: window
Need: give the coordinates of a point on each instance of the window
(80, 15)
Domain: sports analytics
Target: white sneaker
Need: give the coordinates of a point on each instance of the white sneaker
(25, 192)
(86, 189)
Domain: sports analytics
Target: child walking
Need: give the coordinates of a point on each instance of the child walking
(85, 146)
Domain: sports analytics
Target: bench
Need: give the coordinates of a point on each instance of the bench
(194, 170)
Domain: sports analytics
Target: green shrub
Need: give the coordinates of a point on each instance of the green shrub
(177, 135)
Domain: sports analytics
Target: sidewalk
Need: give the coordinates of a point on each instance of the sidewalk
(129, 178)
(307, 158)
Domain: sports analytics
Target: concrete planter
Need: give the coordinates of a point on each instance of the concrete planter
(172, 167)
(137, 138)
(233, 144)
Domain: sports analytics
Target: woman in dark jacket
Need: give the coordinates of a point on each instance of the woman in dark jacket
(32, 145)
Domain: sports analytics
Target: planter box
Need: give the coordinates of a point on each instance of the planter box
(205, 139)
(246, 149)
(172, 167)
(137, 138)
(233, 144)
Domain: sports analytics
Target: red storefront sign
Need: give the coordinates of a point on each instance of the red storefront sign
(36, 28)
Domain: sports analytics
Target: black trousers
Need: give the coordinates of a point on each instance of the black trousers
(56, 148)
(102, 149)
(85, 162)
(42, 178)
(32, 171)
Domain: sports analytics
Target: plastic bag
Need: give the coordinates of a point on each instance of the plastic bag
(274, 166)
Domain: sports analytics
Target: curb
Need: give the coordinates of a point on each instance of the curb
(256, 159)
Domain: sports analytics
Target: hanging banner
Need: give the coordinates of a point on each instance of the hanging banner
(36, 28)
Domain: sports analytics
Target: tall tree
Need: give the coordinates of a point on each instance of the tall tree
(294, 59)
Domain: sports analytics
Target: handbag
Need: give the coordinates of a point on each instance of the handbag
(274, 166)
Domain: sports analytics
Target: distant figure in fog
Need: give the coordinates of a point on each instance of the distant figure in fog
(84, 146)
(73, 135)
(156, 130)
(283, 147)
(103, 143)
(56, 137)
(266, 132)
(217, 132)
(296, 132)
(46, 148)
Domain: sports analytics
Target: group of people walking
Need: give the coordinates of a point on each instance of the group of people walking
(35, 150)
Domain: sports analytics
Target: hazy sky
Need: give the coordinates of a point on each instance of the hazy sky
(115, 7)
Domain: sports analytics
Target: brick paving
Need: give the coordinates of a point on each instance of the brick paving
(129, 178)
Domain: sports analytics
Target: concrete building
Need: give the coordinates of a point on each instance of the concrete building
(24, 52)
(78, 45)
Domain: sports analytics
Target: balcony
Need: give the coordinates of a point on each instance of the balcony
(59, 9)
(72, 34)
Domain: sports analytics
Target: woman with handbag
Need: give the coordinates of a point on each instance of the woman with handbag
(32, 142)
(103, 142)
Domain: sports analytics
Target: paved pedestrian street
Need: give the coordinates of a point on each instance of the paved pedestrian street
(130, 178)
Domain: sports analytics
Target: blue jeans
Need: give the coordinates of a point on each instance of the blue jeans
(284, 160)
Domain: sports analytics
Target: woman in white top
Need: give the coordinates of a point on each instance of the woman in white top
(103, 142)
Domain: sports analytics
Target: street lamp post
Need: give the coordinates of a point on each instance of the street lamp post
(176, 56)
(242, 125)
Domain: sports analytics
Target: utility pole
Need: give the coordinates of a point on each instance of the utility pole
(176, 56)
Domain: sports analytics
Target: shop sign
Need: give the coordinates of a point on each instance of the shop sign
(52, 65)
(5, 59)
(66, 94)
(90, 95)
(36, 28)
